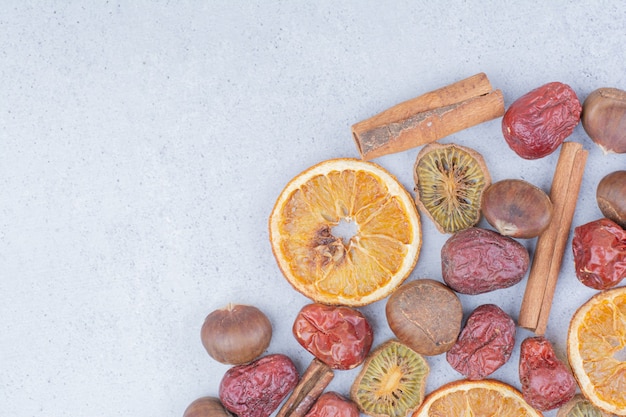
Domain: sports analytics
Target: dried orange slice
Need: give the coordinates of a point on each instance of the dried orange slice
(596, 349)
(486, 397)
(367, 262)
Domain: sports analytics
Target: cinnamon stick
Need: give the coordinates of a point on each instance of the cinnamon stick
(313, 382)
(550, 248)
(429, 117)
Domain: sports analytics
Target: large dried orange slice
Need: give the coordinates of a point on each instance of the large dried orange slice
(359, 264)
(486, 397)
(596, 349)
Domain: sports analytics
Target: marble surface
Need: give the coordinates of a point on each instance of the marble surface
(143, 144)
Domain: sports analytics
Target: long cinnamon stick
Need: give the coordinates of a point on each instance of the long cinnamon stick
(550, 248)
(429, 117)
(313, 382)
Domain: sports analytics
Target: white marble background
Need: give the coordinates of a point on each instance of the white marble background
(143, 144)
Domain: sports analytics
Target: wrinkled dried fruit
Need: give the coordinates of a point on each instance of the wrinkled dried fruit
(449, 182)
(485, 343)
(611, 197)
(206, 407)
(604, 119)
(516, 208)
(600, 254)
(236, 334)
(339, 336)
(392, 381)
(579, 406)
(331, 404)
(546, 382)
(537, 123)
(476, 261)
(258, 388)
(425, 315)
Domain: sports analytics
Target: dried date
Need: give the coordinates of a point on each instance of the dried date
(258, 388)
(476, 261)
(331, 404)
(339, 336)
(600, 253)
(546, 382)
(485, 343)
(537, 123)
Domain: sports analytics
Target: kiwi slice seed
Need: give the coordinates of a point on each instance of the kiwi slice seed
(392, 381)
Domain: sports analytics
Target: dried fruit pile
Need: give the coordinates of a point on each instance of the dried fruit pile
(340, 273)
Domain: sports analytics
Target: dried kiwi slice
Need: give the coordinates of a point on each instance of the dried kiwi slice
(392, 381)
(449, 182)
(579, 406)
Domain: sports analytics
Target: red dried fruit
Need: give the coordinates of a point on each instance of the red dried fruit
(339, 336)
(537, 123)
(331, 404)
(600, 253)
(258, 388)
(476, 261)
(546, 382)
(485, 343)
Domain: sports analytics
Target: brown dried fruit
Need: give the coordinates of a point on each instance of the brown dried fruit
(339, 336)
(425, 315)
(485, 343)
(206, 407)
(600, 253)
(331, 404)
(476, 261)
(236, 334)
(258, 388)
(604, 119)
(392, 381)
(546, 382)
(449, 182)
(537, 123)
(516, 208)
(611, 197)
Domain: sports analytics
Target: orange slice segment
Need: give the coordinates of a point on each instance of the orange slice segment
(355, 268)
(596, 349)
(486, 397)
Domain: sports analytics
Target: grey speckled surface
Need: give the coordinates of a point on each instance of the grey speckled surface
(143, 145)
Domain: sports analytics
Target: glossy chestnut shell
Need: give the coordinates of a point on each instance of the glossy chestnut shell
(206, 407)
(236, 334)
(604, 119)
(516, 208)
(611, 197)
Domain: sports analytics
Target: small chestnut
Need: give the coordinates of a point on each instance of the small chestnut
(604, 119)
(611, 197)
(236, 334)
(206, 407)
(516, 208)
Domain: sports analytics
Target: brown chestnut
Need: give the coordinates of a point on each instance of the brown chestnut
(604, 119)
(206, 407)
(611, 197)
(516, 208)
(236, 334)
(425, 315)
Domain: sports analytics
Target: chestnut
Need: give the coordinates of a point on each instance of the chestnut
(611, 197)
(516, 208)
(206, 407)
(236, 334)
(604, 119)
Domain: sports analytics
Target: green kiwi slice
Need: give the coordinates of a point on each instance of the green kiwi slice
(392, 381)
(449, 182)
(579, 406)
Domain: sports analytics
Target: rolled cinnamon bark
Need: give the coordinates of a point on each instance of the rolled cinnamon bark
(429, 117)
